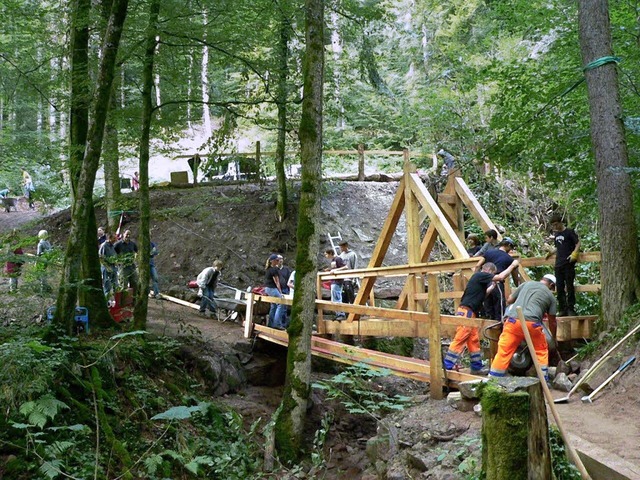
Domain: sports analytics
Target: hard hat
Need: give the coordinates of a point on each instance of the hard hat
(550, 277)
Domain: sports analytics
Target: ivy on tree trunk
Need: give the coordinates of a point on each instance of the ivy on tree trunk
(83, 199)
(290, 418)
(144, 242)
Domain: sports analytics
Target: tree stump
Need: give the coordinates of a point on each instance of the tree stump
(515, 431)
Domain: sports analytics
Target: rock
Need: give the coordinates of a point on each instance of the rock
(453, 398)
(469, 390)
(574, 366)
(478, 410)
(572, 377)
(421, 462)
(562, 383)
(563, 368)
(552, 373)
(397, 472)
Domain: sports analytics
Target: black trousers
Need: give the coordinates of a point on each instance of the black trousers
(348, 292)
(565, 276)
(495, 303)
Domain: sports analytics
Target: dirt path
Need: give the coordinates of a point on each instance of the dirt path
(13, 219)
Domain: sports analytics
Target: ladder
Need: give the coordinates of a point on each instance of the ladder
(332, 239)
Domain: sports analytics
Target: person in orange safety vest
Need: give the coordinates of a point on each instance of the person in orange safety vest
(536, 299)
(479, 286)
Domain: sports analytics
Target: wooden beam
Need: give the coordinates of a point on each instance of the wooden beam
(402, 366)
(382, 245)
(472, 203)
(179, 301)
(435, 351)
(447, 198)
(395, 314)
(414, 283)
(446, 232)
(539, 261)
(426, 246)
(248, 316)
(573, 328)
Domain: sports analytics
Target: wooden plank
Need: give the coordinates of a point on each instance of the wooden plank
(446, 232)
(376, 327)
(472, 203)
(248, 317)
(457, 221)
(414, 283)
(539, 261)
(402, 366)
(268, 299)
(179, 301)
(320, 321)
(459, 284)
(447, 198)
(395, 314)
(602, 464)
(573, 328)
(456, 294)
(591, 288)
(435, 353)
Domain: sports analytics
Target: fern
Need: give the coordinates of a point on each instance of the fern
(38, 411)
(51, 468)
(181, 412)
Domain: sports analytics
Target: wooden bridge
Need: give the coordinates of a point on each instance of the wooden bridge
(418, 310)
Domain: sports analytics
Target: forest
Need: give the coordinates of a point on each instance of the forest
(542, 95)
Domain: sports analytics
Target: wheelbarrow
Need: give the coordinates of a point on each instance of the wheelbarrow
(8, 203)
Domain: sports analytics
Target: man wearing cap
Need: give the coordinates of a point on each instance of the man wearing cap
(495, 303)
(351, 261)
(536, 300)
(479, 286)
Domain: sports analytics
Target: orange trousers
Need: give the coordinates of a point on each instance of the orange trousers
(465, 337)
(511, 337)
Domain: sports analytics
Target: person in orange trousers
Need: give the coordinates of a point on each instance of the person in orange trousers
(536, 300)
(480, 284)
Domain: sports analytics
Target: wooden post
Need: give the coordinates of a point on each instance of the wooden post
(320, 319)
(258, 161)
(435, 350)
(248, 318)
(361, 162)
(515, 430)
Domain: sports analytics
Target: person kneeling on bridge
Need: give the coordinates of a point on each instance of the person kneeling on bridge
(480, 285)
(536, 299)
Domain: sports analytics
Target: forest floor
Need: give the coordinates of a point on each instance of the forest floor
(236, 224)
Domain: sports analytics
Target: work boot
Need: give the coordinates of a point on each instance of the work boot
(481, 373)
(571, 312)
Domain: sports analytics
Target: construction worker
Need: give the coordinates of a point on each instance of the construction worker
(536, 300)
(567, 250)
(480, 284)
(495, 302)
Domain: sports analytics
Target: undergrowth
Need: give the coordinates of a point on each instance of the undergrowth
(112, 407)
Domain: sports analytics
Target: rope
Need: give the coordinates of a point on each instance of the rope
(600, 62)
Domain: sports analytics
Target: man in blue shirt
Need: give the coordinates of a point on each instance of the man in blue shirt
(495, 304)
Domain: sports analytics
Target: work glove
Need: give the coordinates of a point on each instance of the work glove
(574, 256)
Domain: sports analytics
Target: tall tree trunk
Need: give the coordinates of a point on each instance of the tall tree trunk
(90, 291)
(144, 242)
(290, 420)
(204, 80)
(83, 200)
(110, 160)
(618, 230)
(283, 68)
